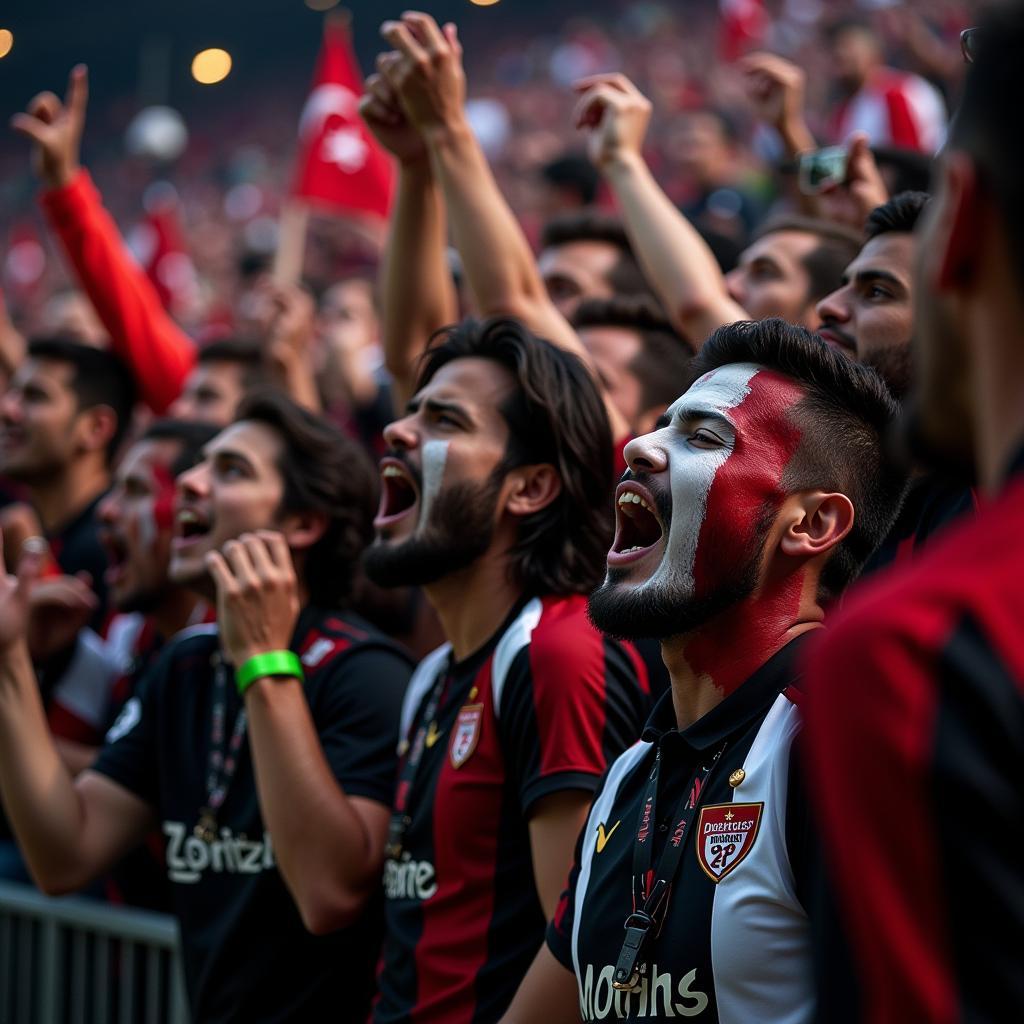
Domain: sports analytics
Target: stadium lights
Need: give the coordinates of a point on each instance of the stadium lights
(6, 42)
(484, 3)
(211, 66)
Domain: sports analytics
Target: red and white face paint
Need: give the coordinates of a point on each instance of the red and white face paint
(724, 450)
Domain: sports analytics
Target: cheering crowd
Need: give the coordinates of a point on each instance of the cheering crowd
(668, 663)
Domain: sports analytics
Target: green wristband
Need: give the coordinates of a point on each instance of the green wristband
(273, 663)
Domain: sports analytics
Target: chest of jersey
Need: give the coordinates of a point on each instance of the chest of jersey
(733, 943)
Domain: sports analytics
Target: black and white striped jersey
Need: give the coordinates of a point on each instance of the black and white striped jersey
(734, 942)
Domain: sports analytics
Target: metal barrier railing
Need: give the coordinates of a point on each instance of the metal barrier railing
(78, 961)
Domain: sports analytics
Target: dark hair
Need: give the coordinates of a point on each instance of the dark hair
(100, 378)
(991, 103)
(826, 263)
(191, 434)
(245, 353)
(574, 173)
(899, 214)
(849, 23)
(842, 419)
(555, 416)
(323, 471)
(662, 365)
(626, 277)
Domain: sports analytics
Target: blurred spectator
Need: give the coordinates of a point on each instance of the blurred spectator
(569, 183)
(225, 371)
(894, 108)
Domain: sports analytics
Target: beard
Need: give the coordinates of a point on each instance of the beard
(459, 530)
(659, 610)
(894, 364)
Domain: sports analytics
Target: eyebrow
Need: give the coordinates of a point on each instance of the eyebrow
(696, 412)
(228, 453)
(863, 277)
(435, 405)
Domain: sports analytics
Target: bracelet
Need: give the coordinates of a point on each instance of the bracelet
(273, 663)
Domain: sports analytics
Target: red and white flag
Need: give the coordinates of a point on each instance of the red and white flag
(340, 167)
(743, 27)
(158, 244)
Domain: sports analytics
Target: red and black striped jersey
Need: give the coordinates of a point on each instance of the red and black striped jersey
(915, 730)
(543, 707)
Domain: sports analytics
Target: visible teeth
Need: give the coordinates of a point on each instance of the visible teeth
(186, 515)
(392, 471)
(629, 551)
(631, 496)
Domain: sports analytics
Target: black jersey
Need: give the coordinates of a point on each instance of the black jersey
(247, 954)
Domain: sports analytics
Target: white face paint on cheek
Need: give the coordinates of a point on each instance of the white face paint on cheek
(435, 455)
(147, 528)
(692, 471)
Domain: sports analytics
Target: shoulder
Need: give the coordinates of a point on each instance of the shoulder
(562, 634)
(199, 640)
(332, 637)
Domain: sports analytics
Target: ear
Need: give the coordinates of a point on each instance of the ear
(94, 427)
(532, 488)
(302, 529)
(955, 240)
(815, 523)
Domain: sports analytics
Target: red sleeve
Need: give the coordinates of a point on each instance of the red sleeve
(158, 352)
(869, 730)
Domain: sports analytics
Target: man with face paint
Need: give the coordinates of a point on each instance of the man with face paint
(871, 318)
(916, 696)
(262, 747)
(754, 502)
(495, 502)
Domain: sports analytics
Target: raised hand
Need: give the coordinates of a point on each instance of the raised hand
(614, 114)
(851, 201)
(15, 593)
(59, 607)
(56, 129)
(257, 595)
(425, 71)
(383, 114)
(776, 87)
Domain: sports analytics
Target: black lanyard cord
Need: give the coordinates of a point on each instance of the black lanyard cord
(651, 888)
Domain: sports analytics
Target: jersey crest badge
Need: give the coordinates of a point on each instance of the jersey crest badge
(725, 835)
(466, 734)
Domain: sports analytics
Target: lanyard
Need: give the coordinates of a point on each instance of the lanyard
(223, 756)
(400, 821)
(651, 887)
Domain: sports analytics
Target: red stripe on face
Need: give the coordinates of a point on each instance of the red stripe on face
(163, 502)
(746, 486)
(749, 480)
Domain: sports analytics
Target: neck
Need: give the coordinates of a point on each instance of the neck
(175, 611)
(58, 499)
(713, 661)
(473, 603)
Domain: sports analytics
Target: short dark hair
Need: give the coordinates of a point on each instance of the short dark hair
(573, 172)
(663, 362)
(849, 23)
(245, 353)
(826, 263)
(991, 103)
(626, 277)
(554, 415)
(100, 378)
(843, 419)
(899, 214)
(323, 471)
(191, 434)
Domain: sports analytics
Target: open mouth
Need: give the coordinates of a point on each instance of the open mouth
(190, 526)
(638, 529)
(398, 493)
(117, 556)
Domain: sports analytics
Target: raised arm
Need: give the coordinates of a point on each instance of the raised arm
(417, 292)
(776, 88)
(158, 352)
(677, 261)
(427, 76)
(69, 831)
